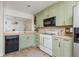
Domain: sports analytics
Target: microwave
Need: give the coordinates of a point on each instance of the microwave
(49, 22)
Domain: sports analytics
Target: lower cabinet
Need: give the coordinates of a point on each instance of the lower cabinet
(26, 41)
(66, 47)
(56, 47)
(62, 47)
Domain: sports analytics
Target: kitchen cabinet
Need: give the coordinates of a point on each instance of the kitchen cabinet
(60, 18)
(39, 19)
(26, 41)
(56, 47)
(68, 14)
(62, 11)
(66, 47)
(64, 16)
(62, 47)
(46, 13)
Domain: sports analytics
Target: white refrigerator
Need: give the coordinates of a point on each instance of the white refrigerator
(76, 36)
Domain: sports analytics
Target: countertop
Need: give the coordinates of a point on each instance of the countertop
(18, 33)
(61, 37)
(64, 37)
(33, 32)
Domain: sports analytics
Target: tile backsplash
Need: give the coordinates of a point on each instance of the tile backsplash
(60, 31)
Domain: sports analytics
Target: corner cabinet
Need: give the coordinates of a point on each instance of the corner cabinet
(62, 47)
(39, 19)
(26, 41)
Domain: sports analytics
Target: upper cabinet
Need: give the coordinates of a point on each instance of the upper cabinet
(64, 14)
(39, 19)
(60, 18)
(26, 41)
(62, 11)
(68, 13)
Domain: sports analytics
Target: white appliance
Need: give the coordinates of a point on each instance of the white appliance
(76, 16)
(76, 32)
(46, 42)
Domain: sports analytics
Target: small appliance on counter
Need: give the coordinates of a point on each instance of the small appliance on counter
(69, 30)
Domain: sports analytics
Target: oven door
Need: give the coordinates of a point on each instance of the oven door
(76, 35)
(48, 41)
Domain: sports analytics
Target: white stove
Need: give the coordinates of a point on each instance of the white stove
(46, 42)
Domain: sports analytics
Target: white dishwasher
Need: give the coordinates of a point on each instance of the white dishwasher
(46, 43)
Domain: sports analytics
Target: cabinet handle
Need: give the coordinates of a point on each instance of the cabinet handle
(59, 44)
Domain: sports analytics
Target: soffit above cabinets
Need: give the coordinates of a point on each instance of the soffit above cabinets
(17, 18)
(31, 7)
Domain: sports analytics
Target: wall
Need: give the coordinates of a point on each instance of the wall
(1, 30)
(28, 25)
(23, 24)
(58, 30)
(19, 14)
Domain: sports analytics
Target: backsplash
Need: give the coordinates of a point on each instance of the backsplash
(60, 31)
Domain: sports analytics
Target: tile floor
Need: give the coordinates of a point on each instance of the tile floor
(29, 52)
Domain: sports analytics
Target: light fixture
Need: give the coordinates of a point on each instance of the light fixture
(28, 5)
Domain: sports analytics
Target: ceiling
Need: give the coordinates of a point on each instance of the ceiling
(31, 7)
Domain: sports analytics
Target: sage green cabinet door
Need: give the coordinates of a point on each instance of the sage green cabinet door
(68, 14)
(26, 41)
(45, 15)
(22, 41)
(39, 19)
(52, 11)
(31, 41)
(64, 16)
(60, 17)
(66, 48)
(62, 47)
(56, 47)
